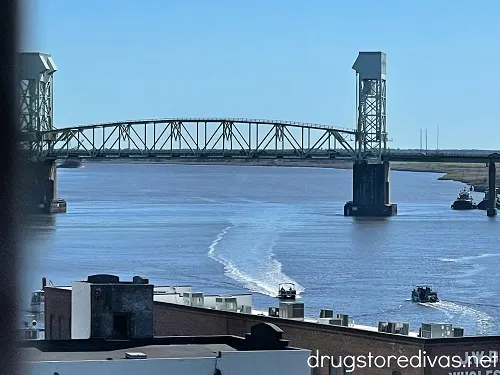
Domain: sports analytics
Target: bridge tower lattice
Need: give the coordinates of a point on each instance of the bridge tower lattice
(371, 138)
(36, 106)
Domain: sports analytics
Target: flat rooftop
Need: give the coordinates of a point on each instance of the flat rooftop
(151, 351)
(167, 289)
(265, 313)
(262, 336)
(315, 320)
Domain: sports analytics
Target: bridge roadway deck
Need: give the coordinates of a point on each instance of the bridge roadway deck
(341, 155)
(457, 157)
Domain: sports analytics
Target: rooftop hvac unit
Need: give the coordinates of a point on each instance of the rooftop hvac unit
(292, 310)
(344, 318)
(397, 328)
(245, 309)
(436, 330)
(383, 326)
(401, 328)
(391, 327)
(194, 299)
(274, 311)
(324, 313)
(330, 321)
(458, 332)
(226, 303)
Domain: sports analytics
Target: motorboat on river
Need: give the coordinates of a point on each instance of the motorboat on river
(424, 294)
(287, 291)
(464, 200)
(71, 163)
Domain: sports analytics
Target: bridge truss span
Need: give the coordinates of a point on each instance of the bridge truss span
(197, 138)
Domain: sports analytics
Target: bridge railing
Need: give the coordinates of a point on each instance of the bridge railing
(238, 120)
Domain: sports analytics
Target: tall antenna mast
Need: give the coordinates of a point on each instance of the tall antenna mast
(420, 140)
(437, 144)
(425, 140)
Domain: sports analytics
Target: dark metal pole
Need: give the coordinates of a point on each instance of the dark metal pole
(492, 197)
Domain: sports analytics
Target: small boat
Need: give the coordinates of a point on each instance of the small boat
(483, 205)
(424, 294)
(464, 201)
(71, 163)
(287, 291)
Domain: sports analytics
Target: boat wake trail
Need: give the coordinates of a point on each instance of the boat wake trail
(459, 313)
(469, 265)
(246, 252)
(468, 258)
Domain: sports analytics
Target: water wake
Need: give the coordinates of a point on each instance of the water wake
(468, 258)
(246, 252)
(468, 267)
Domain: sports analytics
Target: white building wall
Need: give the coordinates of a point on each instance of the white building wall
(209, 300)
(241, 299)
(283, 362)
(80, 310)
(272, 362)
(174, 289)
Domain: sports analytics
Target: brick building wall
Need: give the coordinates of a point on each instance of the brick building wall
(466, 348)
(57, 313)
(337, 342)
(171, 320)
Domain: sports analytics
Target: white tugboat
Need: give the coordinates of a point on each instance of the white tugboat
(33, 320)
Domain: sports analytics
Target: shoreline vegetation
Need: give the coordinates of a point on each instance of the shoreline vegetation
(472, 174)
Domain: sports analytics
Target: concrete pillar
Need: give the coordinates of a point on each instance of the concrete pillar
(40, 188)
(370, 191)
(53, 177)
(387, 183)
(492, 208)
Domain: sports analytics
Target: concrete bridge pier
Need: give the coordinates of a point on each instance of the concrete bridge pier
(40, 188)
(370, 191)
(492, 197)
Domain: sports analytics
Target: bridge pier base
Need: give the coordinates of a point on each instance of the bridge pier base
(492, 197)
(40, 184)
(370, 191)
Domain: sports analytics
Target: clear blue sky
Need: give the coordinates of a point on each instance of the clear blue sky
(289, 60)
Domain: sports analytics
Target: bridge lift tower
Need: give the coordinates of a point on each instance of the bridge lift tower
(370, 173)
(35, 76)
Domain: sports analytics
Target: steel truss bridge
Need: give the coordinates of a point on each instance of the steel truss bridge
(197, 138)
(193, 138)
(214, 137)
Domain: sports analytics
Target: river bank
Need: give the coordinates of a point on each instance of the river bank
(473, 174)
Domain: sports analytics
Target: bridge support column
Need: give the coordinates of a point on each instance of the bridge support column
(40, 185)
(492, 197)
(370, 191)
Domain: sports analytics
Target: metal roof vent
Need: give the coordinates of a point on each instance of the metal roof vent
(135, 355)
